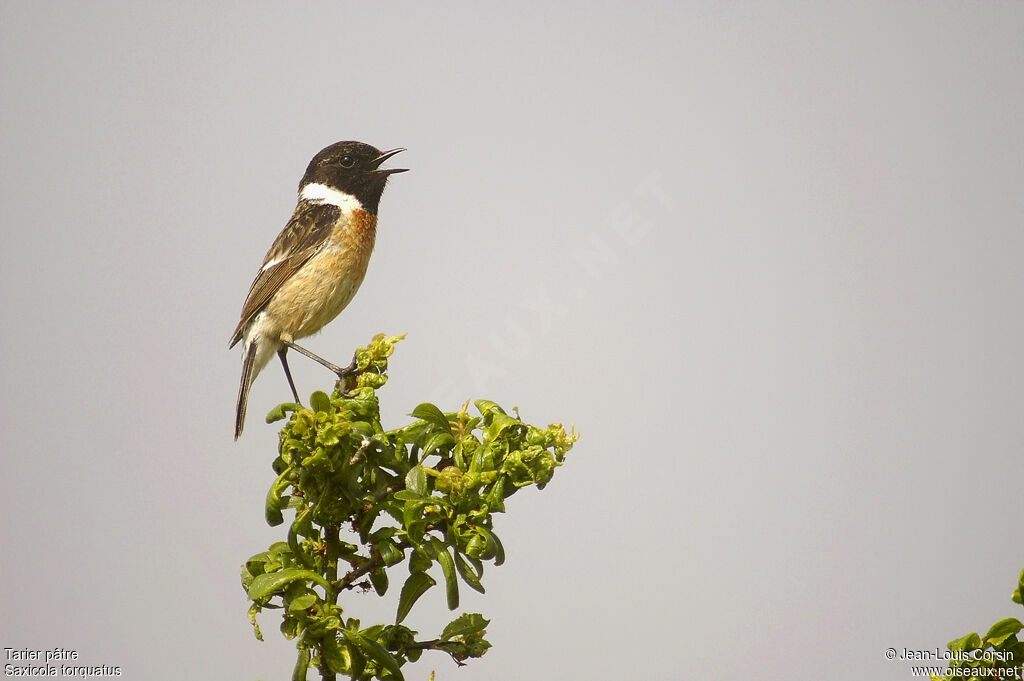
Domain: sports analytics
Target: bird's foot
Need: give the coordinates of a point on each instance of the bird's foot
(346, 373)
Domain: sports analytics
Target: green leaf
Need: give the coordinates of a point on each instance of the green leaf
(438, 441)
(493, 544)
(449, 480)
(268, 584)
(276, 501)
(331, 656)
(289, 627)
(254, 610)
(1002, 630)
(412, 512)
(301, 665)
(373, 633)
(470, 623)
(476, 464)
(502, 422)
(448, 568)
(432, 415)
(389, 552)
(1018, 594)
(379, 579)
(302, 603)
(300, 522)
(532, 465)
(496, 495)
(395, 636)
(968, 642)
(485, 407)
(429, 548)
(419, 561)
(476, 547)
(416, 481)
(320, 401)
(469, 575)
(341, 658)
(358, 661)
(414, 587)
(374, 650)
(281, 411)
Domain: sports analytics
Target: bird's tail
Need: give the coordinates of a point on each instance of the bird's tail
(248, 376)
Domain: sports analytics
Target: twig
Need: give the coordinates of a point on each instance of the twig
(358, 456)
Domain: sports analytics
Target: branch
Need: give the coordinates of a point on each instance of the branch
(438, 644)
(371, 564)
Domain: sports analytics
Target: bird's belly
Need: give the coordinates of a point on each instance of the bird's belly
(320, 290)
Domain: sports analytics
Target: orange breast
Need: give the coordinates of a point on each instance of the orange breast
(325, 285)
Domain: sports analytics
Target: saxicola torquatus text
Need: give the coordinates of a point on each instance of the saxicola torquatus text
(316, 264)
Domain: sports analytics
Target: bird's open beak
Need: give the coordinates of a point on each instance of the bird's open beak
(383, 157)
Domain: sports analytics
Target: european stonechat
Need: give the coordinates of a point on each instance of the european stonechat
(316, 264)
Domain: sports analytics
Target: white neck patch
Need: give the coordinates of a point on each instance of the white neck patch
(321, 193)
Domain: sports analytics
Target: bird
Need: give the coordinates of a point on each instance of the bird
(316, 264)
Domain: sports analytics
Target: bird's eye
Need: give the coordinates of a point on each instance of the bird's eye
(347, 162)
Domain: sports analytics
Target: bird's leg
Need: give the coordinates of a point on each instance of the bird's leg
(283, 354)
(352, 366)
(350, 370)
(341, 372)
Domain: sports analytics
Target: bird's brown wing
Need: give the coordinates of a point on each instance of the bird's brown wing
(296, 244)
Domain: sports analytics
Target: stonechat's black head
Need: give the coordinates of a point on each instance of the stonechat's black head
(353, 168)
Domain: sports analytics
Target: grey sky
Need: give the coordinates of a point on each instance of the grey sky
(766, 257)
